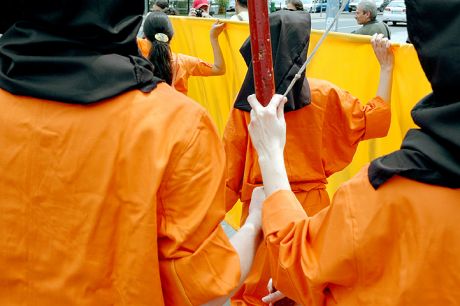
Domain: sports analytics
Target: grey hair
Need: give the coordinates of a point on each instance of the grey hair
(369, 6)
(297, 4)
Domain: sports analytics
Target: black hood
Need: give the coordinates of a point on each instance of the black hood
(72, 51)
(290, 37)
(431, 154)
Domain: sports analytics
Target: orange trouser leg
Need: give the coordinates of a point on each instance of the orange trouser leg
(255, 285)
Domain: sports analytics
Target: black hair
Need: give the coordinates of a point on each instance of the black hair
(170, 11)
(160, 53)
(161, 4)
(243, 3)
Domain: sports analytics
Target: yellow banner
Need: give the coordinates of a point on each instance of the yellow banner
(344, 59)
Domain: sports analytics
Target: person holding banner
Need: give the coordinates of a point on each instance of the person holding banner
(177, 68)
(325, 125)
(391, 235)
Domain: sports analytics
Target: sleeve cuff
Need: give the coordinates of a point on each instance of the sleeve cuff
(378, 118)
(280, 209)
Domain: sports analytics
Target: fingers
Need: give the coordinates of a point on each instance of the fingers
(276, 100)
(218, 24)
(280, 109)
(273, 297)
(377, 39)
(255, 105)
(259, 189)
(270, 286)
(258, 193)
(380, 42)
(388, 44)
(257, 197)
(373, 38)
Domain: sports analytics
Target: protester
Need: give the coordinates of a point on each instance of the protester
(200, 8)
(366, 15)
(171, 11)
(159, 6)
(294, 5)
(391, 235)
(322, 137)
(112, 183)
(177, 68)
(241, 11)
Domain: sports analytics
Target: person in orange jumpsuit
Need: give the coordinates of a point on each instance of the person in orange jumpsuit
(391, 235)
(112, 182)
(325, 124)
(177, 68)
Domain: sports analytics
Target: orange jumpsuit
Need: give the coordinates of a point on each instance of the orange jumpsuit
(397, 245)
(183, 66)
(321, 140)
(114, 203)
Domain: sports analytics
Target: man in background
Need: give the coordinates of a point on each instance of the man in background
(366, 15)
(294, 5)
(159, 5)
(241, 9)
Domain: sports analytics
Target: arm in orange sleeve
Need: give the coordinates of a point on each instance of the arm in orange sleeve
(308, 254)
(195, 66)
(235, 143)
(197, 261)
(347, 122)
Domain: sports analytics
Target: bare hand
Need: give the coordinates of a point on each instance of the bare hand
(204, 13)
(268, 127)
(272, 297)
(192, 12)
(217, 28)
(383, 51)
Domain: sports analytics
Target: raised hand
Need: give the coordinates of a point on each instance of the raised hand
(383, 51)
(217, 28)
(268, 127)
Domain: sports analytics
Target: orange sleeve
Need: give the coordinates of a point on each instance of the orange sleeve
(308, 254)
(196, 66)
(346, 123)
(235, 143)
(197, 261)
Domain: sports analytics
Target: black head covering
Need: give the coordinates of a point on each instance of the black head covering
(290, 37)
(431, 154)
(72, 51)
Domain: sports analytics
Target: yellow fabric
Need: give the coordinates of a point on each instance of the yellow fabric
(344, 59)
(392, 246)
(115, 203)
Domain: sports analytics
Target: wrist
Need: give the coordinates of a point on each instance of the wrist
(274, 175)
(271, 156)
(387, 68)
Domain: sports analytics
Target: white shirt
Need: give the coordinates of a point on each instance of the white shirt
(242, 16)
